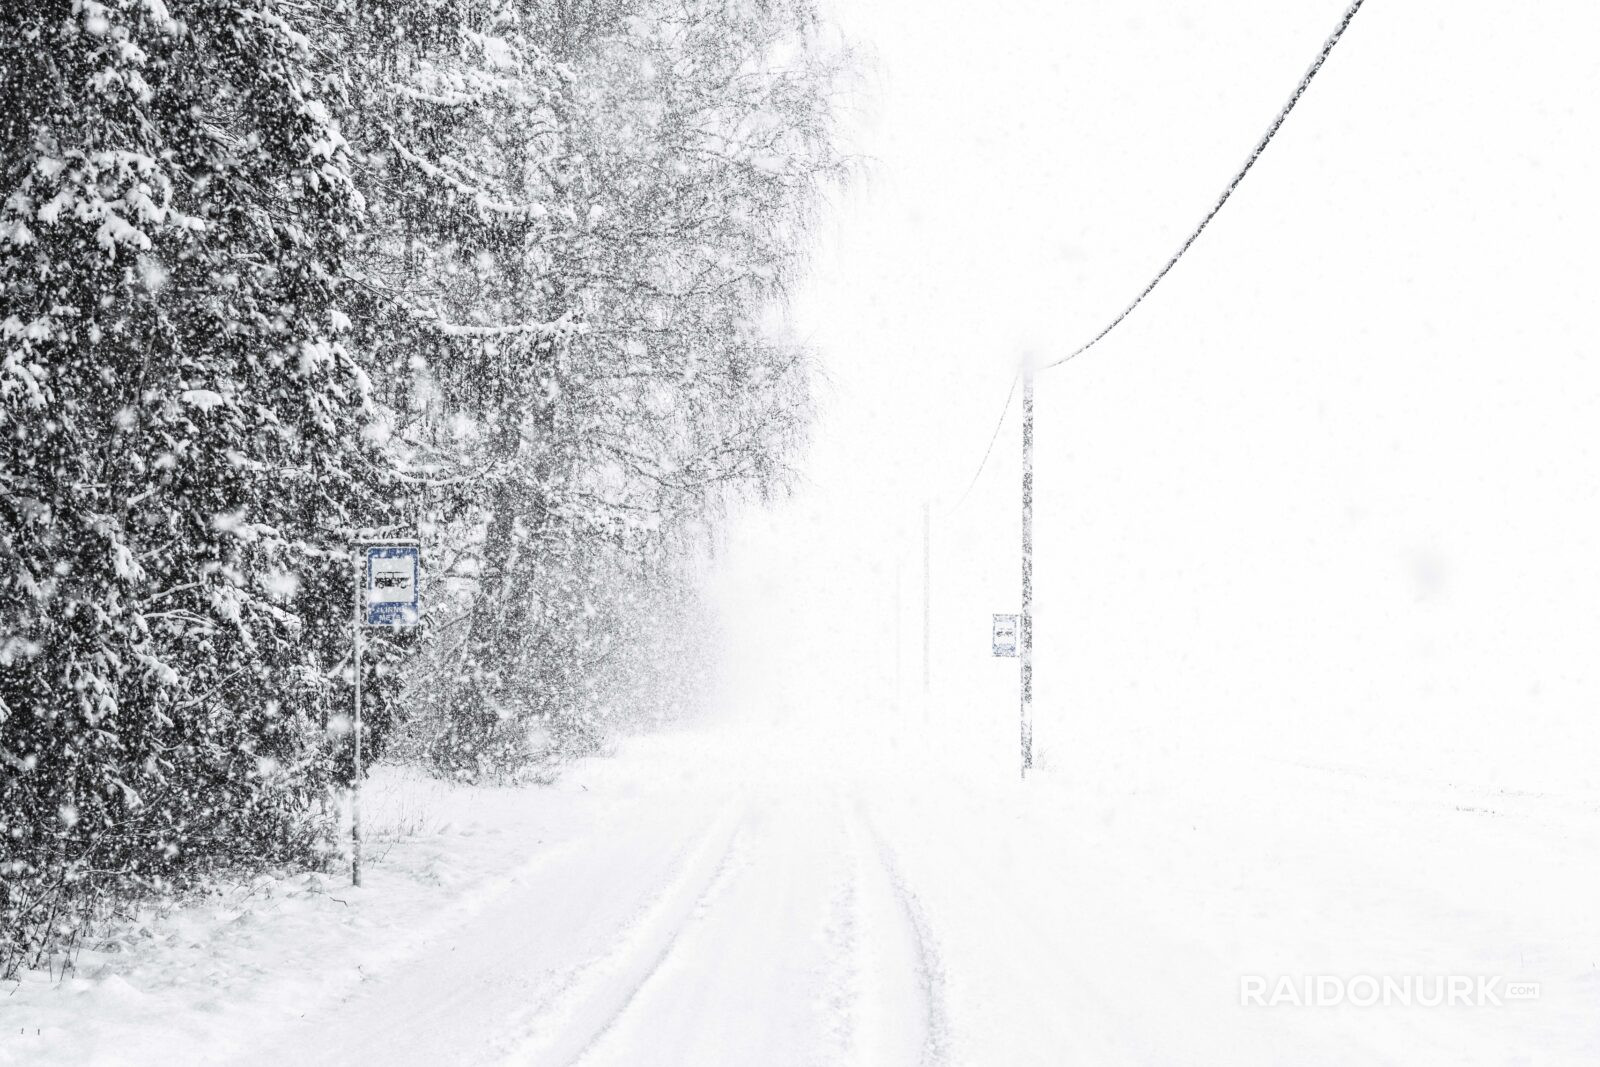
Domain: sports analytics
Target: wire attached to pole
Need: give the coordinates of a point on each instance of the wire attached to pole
(993, 437)
(1255, 154)
(1261, 146)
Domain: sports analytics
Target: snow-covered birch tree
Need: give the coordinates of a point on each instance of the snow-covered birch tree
(588, 213)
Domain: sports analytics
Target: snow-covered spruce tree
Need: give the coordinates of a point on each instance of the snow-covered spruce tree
(181, 447)
(591, 207)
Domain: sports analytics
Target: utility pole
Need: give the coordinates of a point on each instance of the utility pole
(927, 601)
(1025, 637)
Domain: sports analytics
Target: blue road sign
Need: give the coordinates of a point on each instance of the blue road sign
(390, 596)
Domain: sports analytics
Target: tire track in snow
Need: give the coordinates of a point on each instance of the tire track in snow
(759, 976)
(873, 996)
(598, 994)
(841, 976)
(929, 968)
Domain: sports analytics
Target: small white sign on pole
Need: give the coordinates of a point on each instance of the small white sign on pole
(1004, 635)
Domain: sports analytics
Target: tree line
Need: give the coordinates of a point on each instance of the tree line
(274, 272)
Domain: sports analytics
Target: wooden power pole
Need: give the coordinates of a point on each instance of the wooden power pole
(1025, 636)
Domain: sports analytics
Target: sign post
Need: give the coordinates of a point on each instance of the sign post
(387, 574)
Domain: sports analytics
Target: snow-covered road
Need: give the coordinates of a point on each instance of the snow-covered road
(732, 922)
(763, 898)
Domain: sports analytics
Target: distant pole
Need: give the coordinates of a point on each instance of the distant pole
(927, 601)
(898, 613)
(355, 789)
(1025, 638)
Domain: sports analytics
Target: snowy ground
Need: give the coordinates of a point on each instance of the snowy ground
(758, 897)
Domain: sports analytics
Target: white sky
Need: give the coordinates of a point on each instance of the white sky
(1330, 494)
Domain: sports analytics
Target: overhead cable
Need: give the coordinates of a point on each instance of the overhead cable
(1255, 154)
(993, 437)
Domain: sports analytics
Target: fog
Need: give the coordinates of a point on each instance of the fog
(1327, 495)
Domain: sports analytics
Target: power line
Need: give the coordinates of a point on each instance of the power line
(993, 437)
(1255, 154)
(1261, 146)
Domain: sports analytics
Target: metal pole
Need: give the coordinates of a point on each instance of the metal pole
(927, 601)
(1026, 636)
(355, 789)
